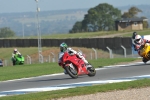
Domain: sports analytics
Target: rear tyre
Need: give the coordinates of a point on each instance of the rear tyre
(148, 55)
(144, 60)
(92, 71)
(72, 71)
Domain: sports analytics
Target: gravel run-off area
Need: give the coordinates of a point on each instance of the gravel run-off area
(130, 94)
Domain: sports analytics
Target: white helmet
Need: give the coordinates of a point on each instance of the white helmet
(138, 40)
(15, 50)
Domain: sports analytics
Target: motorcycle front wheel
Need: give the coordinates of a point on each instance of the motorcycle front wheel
(92, 71)
(72, 71)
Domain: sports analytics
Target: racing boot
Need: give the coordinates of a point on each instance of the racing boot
(13, 61)
(88, 66)
(144, 60)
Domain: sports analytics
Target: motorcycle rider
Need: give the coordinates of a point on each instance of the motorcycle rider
(64, 48)
(15, 51)
(138, 41)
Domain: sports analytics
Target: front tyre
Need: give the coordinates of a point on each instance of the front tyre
(72, 71)
(92, 71)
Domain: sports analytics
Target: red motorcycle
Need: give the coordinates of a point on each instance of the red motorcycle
(75, 66)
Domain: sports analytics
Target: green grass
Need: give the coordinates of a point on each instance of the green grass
(80, 91)
(106, 61)
(144, 32)
(6, 53)
(78, 35)
(91, 34)
(87, 34)
(25, 71)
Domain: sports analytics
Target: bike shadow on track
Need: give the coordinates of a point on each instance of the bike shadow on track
(57, 79)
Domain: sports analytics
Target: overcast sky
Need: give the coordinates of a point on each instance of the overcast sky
(8, 6)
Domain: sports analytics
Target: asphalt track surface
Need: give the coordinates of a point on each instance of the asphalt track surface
(107, 73)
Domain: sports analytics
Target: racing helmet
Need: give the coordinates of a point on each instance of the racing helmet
(138, 40)
(15, 50)
(63, 47)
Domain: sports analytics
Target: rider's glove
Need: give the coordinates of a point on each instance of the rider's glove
(13, 55)
(18, 53)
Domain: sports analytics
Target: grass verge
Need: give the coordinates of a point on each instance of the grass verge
(25, 71)
(144, 32)
(80, 91)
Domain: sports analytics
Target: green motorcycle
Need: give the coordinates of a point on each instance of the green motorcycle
(18, 60)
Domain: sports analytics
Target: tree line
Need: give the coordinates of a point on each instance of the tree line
(6, 32)
(99, 18)
(102, 17)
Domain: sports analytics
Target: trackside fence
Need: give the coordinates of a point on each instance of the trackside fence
(111, 47)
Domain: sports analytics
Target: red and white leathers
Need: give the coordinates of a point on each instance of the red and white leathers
(137, 46)
(72, 52)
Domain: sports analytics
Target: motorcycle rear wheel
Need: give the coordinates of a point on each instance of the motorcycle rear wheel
(92, 71)
(148, 56)
(72, 72)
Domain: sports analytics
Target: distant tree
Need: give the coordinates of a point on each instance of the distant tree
(6, 32)
(77, 27)
(126, 15)
(145, 23)
(102, 17)
(132, 12)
